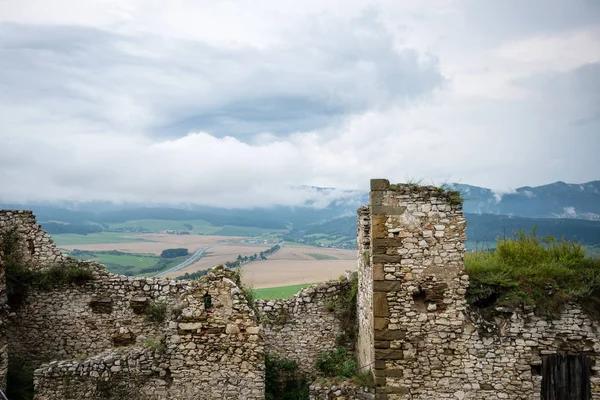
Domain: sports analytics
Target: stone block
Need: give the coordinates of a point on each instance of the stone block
(381, 323)
(387, 286)
(382, 344)
(380, 184)
(190, 326)
(384, 258)
(380, 305)
(378, 228)
(387, 210)
(389, 354)
(394, 373)
(389, 334)
(378, 272)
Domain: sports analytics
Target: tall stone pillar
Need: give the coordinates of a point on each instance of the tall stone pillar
(417, 245)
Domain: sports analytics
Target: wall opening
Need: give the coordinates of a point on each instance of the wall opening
(207, 301)
(31, 246)
(566, 377)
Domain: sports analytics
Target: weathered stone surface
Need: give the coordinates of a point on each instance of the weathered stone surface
(84, 324)
(307, 324)
(380, 305)
(432, 345)
(379, 184)
(336, 390)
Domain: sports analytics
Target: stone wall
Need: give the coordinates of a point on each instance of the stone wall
(344, 390)
(428, 342)
(365, 350)
(36, 246)
(201, 341)
(209, 349)
(301, 327)
(3, 324)
(85, 319)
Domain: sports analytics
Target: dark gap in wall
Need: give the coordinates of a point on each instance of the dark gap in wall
(207, 301)
(19, 379)
(536, 370)
(419, 301)
(31, 246)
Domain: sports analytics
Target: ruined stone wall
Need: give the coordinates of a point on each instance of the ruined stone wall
(345, 390)
(207, 343)
(209, 349)
(428, 343)
(35, 244)
(76, 320)
(3, 325)
(365, 351)
(303, 326)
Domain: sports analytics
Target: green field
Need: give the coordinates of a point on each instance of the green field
(135, 260)
(65, 239)
(132, 264)
(318, 256)
(281, 292)
(199, 226)
(229, 230)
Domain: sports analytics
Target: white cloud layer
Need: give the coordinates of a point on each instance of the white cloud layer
(236, 103)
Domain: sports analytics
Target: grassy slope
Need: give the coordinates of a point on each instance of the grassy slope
(532, 271)
(281, 292)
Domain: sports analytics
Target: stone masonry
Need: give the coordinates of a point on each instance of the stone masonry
(207, 344)
(305, 325)
(416, 333)
(428, 344)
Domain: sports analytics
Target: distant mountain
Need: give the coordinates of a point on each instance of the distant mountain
(556, 200)
(330, 210)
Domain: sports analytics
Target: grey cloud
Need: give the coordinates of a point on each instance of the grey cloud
(176, 86)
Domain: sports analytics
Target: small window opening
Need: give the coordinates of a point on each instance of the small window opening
(31, 246)
(419, 300)
(207, 301)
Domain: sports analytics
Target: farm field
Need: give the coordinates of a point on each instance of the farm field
(281, 292)
(220, 255)
(294, 252)
(64, 239)
(199, 226)
(276, 273)
(151, 243)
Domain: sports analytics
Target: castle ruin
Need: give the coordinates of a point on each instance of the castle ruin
(112, 337)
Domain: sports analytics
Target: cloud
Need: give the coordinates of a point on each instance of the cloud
(241, 104)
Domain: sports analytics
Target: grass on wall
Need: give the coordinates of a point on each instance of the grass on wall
(531, 271)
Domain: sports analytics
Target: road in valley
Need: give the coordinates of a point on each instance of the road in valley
(193, 258)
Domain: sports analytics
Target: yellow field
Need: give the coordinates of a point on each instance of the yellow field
(302, 253)
(155, 243)
(274, 273)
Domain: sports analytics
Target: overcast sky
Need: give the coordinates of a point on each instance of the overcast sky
(234, 102)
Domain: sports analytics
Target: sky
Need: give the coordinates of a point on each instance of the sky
(245, 103)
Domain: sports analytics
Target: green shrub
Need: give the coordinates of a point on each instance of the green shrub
(337, 363)
(282, 380)
(156, 311)
(533, 271)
